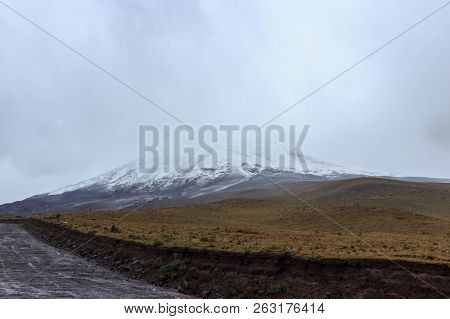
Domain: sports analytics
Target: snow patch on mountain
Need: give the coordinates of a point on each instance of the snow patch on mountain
(202, 175)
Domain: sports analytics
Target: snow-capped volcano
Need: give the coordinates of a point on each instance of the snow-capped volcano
(129, 186)
(130, 176)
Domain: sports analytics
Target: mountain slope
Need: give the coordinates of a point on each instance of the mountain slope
(126, 186)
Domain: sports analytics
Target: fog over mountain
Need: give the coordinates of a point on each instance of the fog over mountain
(220, 62)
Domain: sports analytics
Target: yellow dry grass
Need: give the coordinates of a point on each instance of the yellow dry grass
(278, 225)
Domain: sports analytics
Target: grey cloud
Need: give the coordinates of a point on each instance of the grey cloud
(62, 120)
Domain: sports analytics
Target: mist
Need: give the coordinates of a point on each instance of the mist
(63, 120)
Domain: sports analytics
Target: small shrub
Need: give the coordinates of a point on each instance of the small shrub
(287, 252)
(174, 269)
(154, 263)
(281, 287)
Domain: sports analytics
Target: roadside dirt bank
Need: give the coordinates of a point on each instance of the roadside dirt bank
(216, 274)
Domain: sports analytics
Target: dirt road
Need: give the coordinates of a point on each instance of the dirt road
(32, 269)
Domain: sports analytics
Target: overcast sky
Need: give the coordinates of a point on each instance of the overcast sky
(220, 62)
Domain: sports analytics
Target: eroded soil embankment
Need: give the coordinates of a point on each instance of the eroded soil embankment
(213, 274)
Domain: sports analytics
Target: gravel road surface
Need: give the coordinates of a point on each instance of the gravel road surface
(32, 269)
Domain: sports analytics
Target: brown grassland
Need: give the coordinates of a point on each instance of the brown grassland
(356, 219)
